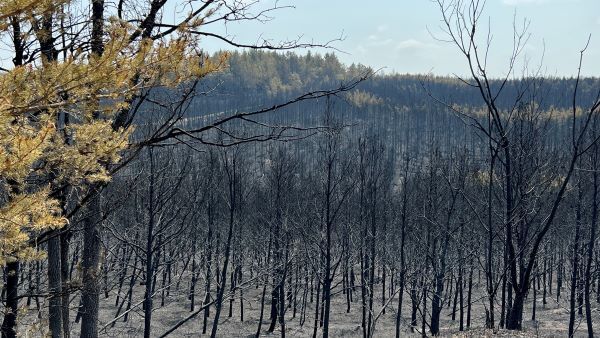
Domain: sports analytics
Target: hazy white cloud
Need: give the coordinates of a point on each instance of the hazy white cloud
(534, 2)
(382, 42)
(377, 40)
(382, 28)
(412, 44)
(522, 2)
(362, 50)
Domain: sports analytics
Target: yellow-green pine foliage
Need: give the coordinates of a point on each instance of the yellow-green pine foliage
(92, 89)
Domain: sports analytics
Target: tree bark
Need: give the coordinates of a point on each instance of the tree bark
(91, 229)
(54, 286)
(90, 271)
(9, 323)
(65, 239)
(149, 251)
(575, 272)
(590, 246)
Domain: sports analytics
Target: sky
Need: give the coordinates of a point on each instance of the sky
(403, 36)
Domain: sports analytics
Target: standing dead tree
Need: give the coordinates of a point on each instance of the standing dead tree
(523, 236)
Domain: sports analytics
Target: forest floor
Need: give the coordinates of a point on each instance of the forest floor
(552, 319)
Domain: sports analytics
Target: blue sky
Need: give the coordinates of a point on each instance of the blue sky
(397, 34)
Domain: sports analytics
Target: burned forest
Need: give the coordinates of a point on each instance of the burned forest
(155, 184)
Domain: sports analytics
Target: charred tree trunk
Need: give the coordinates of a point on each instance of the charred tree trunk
(65, 239)
(592, 241)
(11, 271)
(54, 286)
(91, 272)
(91, 233)
(575, 270)
(148, 294)
(401, 280)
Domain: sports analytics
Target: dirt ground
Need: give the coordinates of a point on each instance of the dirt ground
(552, 320)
